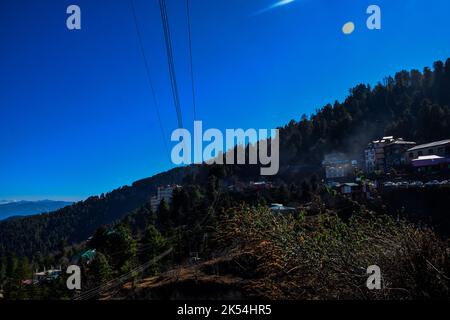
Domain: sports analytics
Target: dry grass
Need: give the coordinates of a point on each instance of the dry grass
(322, 257)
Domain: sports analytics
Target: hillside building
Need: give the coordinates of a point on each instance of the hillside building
(338, 166)
(374, 155)
(47, 275)
(164, 193)
(395, 155)
(433, 157)
(437, 148)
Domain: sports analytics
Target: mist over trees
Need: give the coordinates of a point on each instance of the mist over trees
(412, 104)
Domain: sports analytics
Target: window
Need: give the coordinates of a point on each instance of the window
(447, 151)
(441, 151)
(411, 155)
(420, 153)
(430, 151)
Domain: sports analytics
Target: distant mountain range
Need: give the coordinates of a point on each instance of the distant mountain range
(10, 209)
(75, 223)
(6, 201)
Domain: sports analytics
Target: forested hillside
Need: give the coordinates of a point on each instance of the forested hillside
(41, 234)
(413, 105)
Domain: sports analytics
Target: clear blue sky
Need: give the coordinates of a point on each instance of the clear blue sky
(76, 114)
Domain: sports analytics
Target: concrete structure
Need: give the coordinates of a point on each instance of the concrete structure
(47, 275)
(354, 190)
(349, 188)
(430, 158)
(395, 155)
(337, 166)
(431, 163)
(163, 193)
(374, 155)
(437, 148)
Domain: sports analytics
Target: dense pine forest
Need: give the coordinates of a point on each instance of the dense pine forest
(414, 105)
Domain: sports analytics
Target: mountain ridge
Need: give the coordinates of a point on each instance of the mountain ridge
(405, 105)
(20, 208)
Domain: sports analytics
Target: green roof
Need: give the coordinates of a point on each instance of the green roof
(89, 254)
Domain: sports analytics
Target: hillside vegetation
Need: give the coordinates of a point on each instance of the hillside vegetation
(413, 105)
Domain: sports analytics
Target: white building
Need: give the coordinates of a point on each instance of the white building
(47, 275)
(163, 193)
(374, 154)
(437, 148)
(338, 165)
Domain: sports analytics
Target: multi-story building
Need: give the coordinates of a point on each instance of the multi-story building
(337, 166)
(374, 155)
(395, 154)
(369, 158)
(163, 193)
(436, 148)
(430, 157)
(431, 164)
(46, 275)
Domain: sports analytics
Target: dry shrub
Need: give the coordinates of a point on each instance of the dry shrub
(322, 257)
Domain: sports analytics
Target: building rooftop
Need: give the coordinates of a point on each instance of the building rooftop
(432, 157)
(89, 254)
(383, 140)
(402, 142)
(351, 184)
(430, 145)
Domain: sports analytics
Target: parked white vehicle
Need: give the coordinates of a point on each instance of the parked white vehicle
(403, 184)
(432, 183)
(389, 184)
(416, 184)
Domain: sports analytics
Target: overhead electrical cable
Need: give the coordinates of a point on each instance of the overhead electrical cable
(120, 280)
(188, 10)
(169, 49)
(149, 78)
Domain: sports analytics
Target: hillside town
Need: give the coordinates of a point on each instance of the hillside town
(387, 163)
(390, 163)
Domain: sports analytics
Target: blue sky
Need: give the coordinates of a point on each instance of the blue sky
(76, 114)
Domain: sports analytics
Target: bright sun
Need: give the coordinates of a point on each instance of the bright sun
(348, 28)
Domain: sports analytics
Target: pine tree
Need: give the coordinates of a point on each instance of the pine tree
(101, 270)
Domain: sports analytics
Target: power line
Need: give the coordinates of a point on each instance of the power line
(190, 58)
(169, 49)
(121, 279)
(149, 78)
(141, 268)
